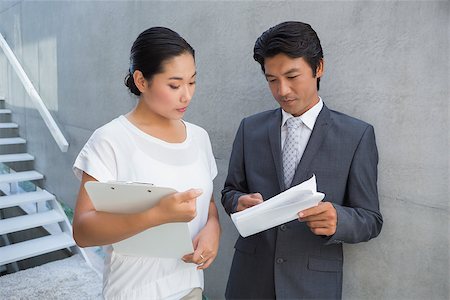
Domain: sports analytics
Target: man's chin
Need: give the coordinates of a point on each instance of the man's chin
(289, 109)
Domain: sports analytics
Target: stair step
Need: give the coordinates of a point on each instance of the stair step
(23, 198)
(30, 248)
(29, 221)
(8, 125)
(20, 176)
(16, 157)
(5, 111)
(12, 141)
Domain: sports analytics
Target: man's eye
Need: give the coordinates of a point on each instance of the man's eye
(292, 77)
(174, 87)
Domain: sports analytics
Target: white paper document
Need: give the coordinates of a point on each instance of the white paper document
(279, 209)
(171, 240)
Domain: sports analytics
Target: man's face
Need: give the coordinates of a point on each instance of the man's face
(292, 83)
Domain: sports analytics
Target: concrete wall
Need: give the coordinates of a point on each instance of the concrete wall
(386, 63)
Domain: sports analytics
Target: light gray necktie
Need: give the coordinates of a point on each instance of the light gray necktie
(290, 149)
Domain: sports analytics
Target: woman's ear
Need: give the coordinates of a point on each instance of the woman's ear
(140, 81)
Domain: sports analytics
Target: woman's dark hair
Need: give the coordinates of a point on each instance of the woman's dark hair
(150, 50)
(295, 39)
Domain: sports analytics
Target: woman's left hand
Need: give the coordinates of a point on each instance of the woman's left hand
(206, 245)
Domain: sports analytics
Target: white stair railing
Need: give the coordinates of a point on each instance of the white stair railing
(34, 95)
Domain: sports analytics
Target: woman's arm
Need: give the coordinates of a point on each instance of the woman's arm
(213, 216)
(206, 243)
(93, 228)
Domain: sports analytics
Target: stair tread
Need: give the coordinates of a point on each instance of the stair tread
(5, 111)
(22, 198)
(16, 157)
(8, 125)
(20, 176)
(34, 247)
(29, 221)
(12, 141)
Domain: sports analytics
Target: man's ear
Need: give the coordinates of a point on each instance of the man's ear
(140, 81)
(320, 68)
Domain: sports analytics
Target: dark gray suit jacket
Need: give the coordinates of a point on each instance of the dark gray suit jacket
(289, 261)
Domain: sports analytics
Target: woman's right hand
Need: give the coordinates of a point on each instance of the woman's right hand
(180, 206)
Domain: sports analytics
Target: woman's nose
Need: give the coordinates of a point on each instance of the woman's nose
(187, 94)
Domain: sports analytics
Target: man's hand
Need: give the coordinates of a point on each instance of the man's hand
(249, 200)
(321, 219)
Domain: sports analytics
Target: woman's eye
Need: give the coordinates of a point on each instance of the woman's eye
(192, 83)
(174, 87)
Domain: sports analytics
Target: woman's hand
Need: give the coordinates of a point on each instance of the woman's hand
(179, 207)
(94, 228)
(206, 245)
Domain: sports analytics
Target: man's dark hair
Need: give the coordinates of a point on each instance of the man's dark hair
(295, 39)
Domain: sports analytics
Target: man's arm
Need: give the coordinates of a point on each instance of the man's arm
(359, 219)
(234, 193)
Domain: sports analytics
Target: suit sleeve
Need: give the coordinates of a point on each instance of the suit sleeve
(236, 182)
(359, 219)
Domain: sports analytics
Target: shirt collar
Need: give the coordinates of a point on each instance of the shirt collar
(308, 118)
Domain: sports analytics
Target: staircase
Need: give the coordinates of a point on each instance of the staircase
(20, 189)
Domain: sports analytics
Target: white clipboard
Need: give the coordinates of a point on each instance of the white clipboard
(171, 240)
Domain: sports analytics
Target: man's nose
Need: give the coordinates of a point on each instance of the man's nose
(283, 88)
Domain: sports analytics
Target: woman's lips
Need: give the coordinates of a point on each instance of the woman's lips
(182, 109)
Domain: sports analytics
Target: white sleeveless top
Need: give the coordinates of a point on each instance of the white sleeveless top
(121, 151)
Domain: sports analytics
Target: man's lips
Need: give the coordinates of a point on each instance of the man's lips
(288, 100)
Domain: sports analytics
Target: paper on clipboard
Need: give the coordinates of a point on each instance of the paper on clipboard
(171, 240)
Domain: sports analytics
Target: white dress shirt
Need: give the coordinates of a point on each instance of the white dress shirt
(304, 131)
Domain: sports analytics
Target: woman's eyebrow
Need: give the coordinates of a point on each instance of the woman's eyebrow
(181, 78)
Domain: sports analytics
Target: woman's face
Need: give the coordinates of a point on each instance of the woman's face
(170, 92)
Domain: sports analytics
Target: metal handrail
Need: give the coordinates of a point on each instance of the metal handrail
(34, 95)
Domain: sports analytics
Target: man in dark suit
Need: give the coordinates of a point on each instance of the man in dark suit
(277, 149)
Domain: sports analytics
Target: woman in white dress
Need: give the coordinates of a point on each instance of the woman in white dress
(153, 144)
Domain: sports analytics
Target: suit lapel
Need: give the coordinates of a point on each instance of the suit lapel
(274, 132)
(315, 141)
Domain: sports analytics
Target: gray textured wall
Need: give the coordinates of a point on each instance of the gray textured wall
(386, 63)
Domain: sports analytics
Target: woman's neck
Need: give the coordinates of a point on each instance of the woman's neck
(172, 131)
